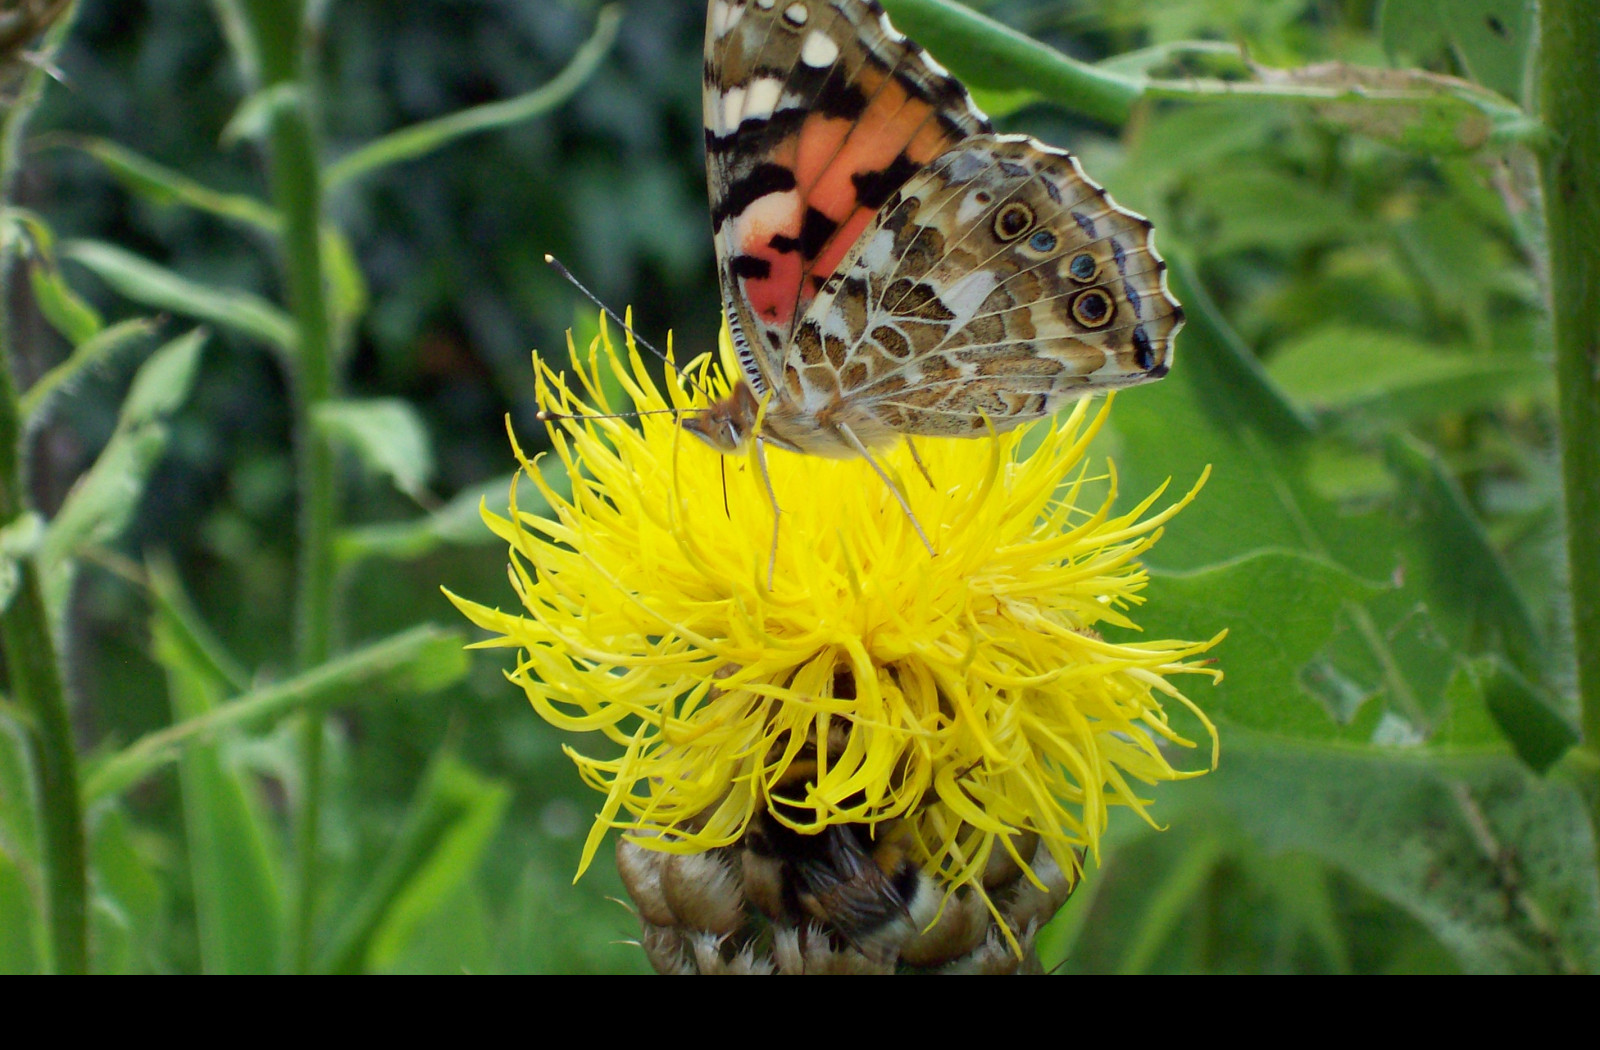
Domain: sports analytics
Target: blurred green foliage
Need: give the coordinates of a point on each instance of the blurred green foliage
(1366, 371)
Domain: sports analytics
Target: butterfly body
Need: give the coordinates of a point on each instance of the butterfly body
(890, 265)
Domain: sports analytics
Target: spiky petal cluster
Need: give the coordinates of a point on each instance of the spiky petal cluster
(971, 694)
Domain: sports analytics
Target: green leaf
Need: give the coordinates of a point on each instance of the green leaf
(457, 936)
(422, 139)
(99, 506)
(1168, 904)
(20, 539)
(168, 592)
(419, 660)
(1475, 595)
(346, 284)
(1449, 600)
(454, 815)
(19, 921)
(1409, 108)
(90, 353)
(1498, 864)
(1391, 376)
(66, 311)
(145, 282)
(459, 522)
(254, 117)
(1279, 609)
(1283, 214)
(235, 872)
(1538, 733)
(127, 899)
(105, 499)
(162, 185)
(389, 437)
(1491, 38)
(163, 382)
(24, 940)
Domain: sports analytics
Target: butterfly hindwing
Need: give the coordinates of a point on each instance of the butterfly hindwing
(996, 285)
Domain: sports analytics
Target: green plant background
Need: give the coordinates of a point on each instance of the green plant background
(1368, 371)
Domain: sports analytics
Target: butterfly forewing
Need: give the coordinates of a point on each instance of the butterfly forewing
(816, 112)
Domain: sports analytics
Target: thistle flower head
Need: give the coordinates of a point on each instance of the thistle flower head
(967, 699)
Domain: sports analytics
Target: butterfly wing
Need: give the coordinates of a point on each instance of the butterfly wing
(996, 285)
(816, 113)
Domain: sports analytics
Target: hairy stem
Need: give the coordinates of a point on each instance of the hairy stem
(1569, 98)
(33, 672)
(278, 34)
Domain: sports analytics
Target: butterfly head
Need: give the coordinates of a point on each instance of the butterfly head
(729, 424)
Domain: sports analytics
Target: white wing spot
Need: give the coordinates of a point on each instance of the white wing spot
(732, 109)
(766, 5)
(724, 16)
(894, 35)
(796, 14)
(819, 50)
(761, 98)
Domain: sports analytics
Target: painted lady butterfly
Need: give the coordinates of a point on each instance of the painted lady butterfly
(892, 267)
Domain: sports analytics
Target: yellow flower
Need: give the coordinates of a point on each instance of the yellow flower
(981, 703)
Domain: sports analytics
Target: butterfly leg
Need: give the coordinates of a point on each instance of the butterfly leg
(915, 458)
(777, 511)
(861, 450)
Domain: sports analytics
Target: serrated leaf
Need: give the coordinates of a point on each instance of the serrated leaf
(162, 185)
(1401, 643)
(144, 282)
(1498, 864)
(1279, 610)
(66, 311)
(389, 437)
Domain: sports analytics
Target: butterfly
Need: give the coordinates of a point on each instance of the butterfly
(890, 266)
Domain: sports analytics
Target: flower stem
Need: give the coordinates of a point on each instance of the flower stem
(279, 35)
(1569, 87)
(33, 673)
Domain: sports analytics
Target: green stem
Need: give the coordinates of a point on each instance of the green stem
(278, 34)
(1569, 91)
(33, 672)
(1017, 61)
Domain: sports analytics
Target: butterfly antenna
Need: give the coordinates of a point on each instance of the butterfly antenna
(635, 336)
(544, 415)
